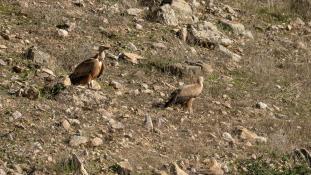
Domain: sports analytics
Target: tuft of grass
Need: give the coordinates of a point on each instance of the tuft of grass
(50, 92)
(263, 167)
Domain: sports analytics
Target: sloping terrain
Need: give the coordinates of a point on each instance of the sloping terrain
(253, 112)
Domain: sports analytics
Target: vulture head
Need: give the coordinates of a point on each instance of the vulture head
(200, 80)
(101, 50)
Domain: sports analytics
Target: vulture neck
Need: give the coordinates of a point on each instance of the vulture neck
(200, 83)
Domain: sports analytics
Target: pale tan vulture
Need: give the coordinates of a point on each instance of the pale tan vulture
(186, 95)
(89, 69)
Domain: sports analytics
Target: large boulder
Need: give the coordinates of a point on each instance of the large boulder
(175, 12)
(41, 58)
(167, 15)
(204, 34)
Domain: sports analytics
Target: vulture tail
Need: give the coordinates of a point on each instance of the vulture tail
(76, 80)
(172, 99)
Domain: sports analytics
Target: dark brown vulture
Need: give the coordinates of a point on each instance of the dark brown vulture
(89, 69)
(186, 95)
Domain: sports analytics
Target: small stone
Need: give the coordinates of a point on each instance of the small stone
(215, 168)
(177, 170)
(66, 125)
(250, 136)
(17, 115)
(132, 46)
(74, 122)
(96, 141)
(3, 47)
(261, 105)
(148, 123)
(62, 33)
(131, 57)
(235, 57)
(134, 11)
(116, 84)
(79, 3)
(66, 81)
(227, 137)
(159, 172)
(2, 63)
(159, 45)
(138, 27)
(2, 172)
(78, 140)
(115, 124)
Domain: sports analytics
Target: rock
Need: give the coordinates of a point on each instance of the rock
(124, 168)
(74, 122)
(237, 28)
(132, 46)
(62, 33)
(134, 11)
(210, 26)
(3, 46)
(182, 34)
(79, 3)
(31, 93)
(250, 136)
(297, 23)
(41, 58)
(157, 45)
(207, 68)
(116, 84)
(115, 124)
(95, 85)
(114, 9)
(80, 97)
(159, 172)
(78, 140)
(177, 171)
(17, 115)
(235, 57)
(66, 125)
(138, 26)
(229, 9)
(2, 172)
(66, 81)
(227, 137)
(148, 123)
(261, 105)
(97, 141)
(131, 57)
(78, 165)
(183, 11)
(166, 15)
(48, 71)
(2, 63)
(203, 37)
(226, 42)
(215, 168)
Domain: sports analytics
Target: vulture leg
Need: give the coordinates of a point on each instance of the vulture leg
(89, 81)
(189, 105)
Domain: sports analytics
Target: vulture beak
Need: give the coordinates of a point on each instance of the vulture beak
(101, 50)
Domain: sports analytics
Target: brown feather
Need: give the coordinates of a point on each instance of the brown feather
(186, 93)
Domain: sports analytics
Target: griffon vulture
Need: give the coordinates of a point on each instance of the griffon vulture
(89, 69)
(186, 95)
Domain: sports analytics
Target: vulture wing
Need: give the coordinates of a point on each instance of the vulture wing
(173, 98)
(83, 69)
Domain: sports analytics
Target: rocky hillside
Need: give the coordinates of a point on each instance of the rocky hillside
(251, 118)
